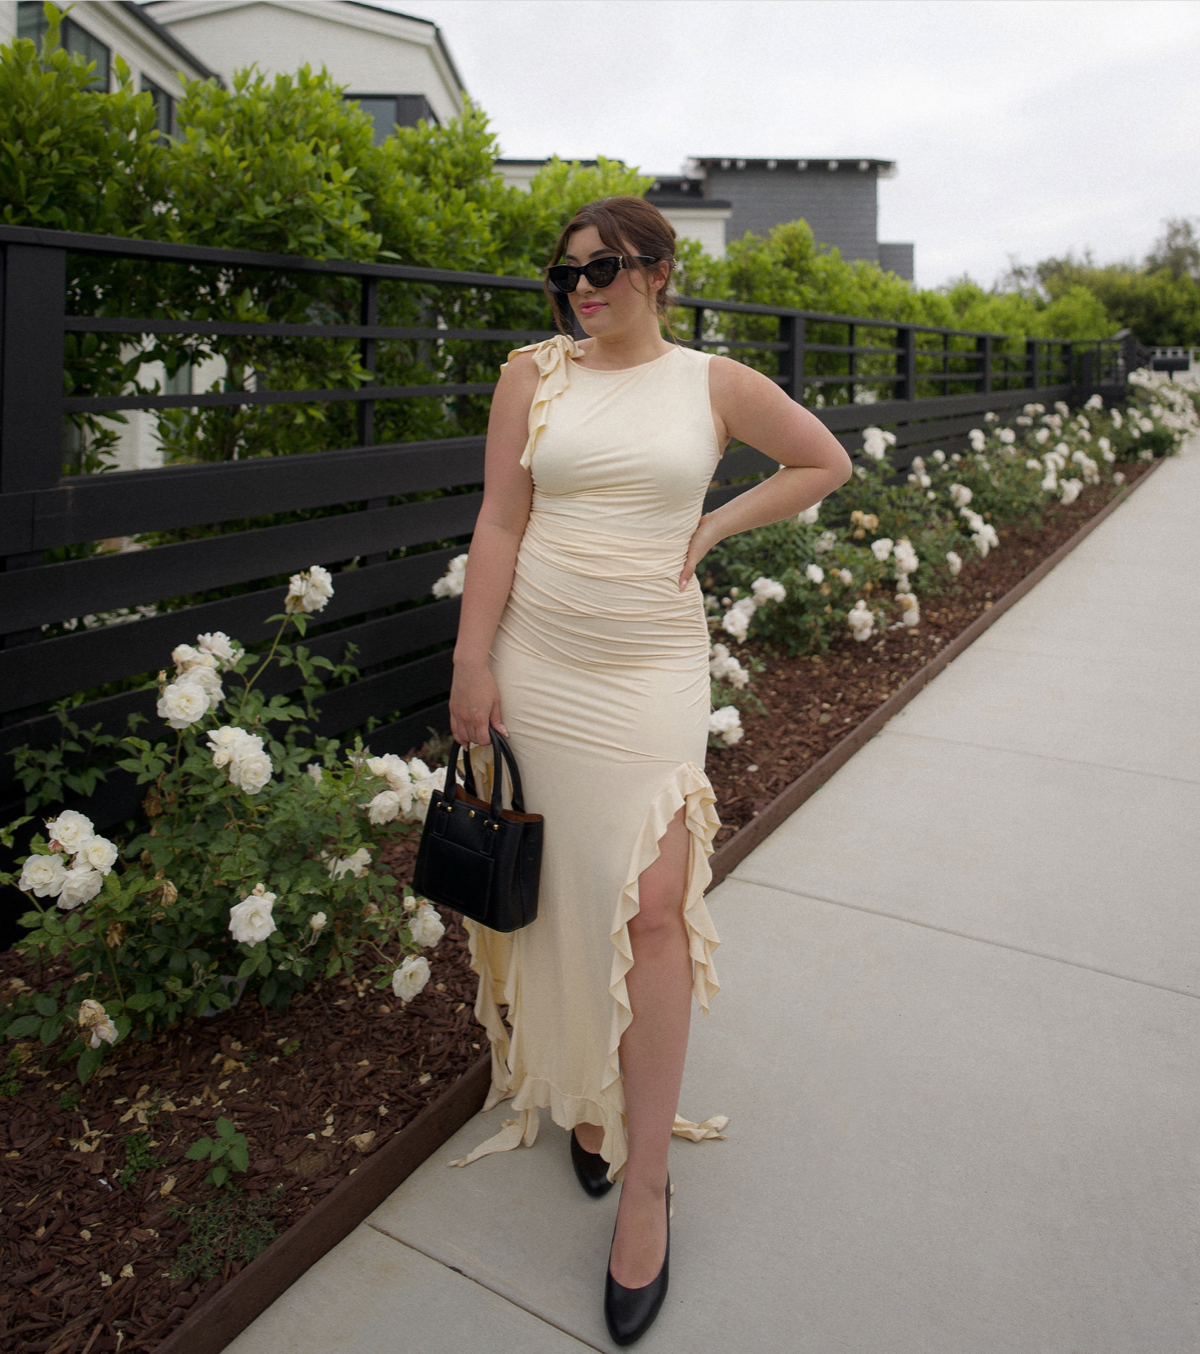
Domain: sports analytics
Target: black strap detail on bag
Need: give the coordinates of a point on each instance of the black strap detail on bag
(479, 859)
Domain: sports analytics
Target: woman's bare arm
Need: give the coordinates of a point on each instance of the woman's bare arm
(751, 407)
(507, 493)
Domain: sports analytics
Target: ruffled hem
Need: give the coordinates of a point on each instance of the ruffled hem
(689, 788)
(551, 357)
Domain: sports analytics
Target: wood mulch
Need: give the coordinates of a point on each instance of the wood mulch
(87, 1259)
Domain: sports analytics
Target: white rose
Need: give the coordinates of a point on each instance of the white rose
(71, 830)
(845, 575)
(882, 548)
(814, 573)
(395, 771)
(183, 656)
(309, 591)
(208, 680)
(80, 886)
(410, 978)
(224, 741)
(861, 621)
(250, 769)
(103, 1030)
(250, 921)
(384, 807)
(1071, 490)
(954, 560)
(318, 922)
(355, 864)
(809, 516)
(767, 590)
(90, 1013)
(99, 853)
(426, 926)
(451, 582)
(314, 771)
(425, 782)
(724, 721)
(221, 647)
(43, 876)
(182, 704)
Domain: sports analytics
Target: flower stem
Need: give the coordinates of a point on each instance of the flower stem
(270, 655)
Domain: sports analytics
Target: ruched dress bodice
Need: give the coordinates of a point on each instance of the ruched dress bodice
(602, 669)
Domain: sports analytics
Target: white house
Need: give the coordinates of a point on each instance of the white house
(396, 66)
(100, 32)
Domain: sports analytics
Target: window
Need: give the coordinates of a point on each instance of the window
(164, 106)
(31, 23)
(388, 111)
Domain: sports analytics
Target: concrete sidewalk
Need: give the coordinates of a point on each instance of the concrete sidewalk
(958, 1038)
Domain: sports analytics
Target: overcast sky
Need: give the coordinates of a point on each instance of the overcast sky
(1025, 127)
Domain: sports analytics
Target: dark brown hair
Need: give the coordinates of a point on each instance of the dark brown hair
(626, 225)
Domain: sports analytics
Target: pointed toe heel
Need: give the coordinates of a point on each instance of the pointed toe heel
(591, 1170)
(629, 1312)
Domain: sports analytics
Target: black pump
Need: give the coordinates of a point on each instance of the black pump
(591, 1170)
(629, 1312)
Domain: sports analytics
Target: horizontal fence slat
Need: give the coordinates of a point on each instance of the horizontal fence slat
(99, 404)
(97, 324)
(53, 668)
(411, 732)
(341, 709)
(116, 247)
(349, 707)
(124, 503)
(744, 461)
(842, 417)
(57, 592)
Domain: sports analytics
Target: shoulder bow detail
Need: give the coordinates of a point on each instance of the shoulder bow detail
(551, 356)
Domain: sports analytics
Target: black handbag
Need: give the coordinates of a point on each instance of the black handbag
(482, 860)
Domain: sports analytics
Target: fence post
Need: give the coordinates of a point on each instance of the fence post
(33, 293)
(698, 328)
(906, 362)
(1031, 363)
(791, 359)
(368, 311)
(983, 346)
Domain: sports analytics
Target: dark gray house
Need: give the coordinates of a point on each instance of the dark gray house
(720, 199)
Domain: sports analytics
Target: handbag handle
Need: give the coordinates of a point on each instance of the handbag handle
(505, 758)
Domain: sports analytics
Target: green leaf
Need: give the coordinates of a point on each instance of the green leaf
(89, 1060)
(22, 1026)
(199, 1149)
(225, 1126)
(44, 1005)
(239, 1157)
(218, 1175)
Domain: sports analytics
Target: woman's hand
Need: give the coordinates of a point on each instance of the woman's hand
(474, 705)
(703, 539)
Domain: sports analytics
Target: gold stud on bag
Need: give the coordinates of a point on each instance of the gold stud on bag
(482, 860)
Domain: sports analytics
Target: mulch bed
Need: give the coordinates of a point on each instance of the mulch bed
(88, 1260)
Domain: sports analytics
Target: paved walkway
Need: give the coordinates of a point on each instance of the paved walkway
(959, 1038)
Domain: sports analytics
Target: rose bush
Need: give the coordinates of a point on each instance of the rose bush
(255, 863)
(859, 563)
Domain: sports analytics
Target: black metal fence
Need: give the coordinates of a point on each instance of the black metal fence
(376, 476)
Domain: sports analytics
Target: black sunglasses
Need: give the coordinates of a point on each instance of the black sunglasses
(564, 277)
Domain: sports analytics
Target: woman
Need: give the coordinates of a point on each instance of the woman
(583, 639)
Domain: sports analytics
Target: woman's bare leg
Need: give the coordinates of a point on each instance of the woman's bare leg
(653, 1049)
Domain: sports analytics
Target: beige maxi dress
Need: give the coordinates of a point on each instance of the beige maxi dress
(602, 669)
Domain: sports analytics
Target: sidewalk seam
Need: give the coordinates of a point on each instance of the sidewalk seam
(487, 1288)
(1041, 756)
(966, 935)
